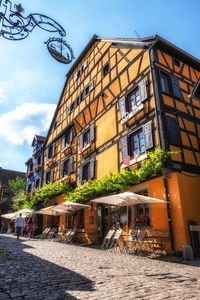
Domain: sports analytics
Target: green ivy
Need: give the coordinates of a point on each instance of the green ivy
(120, 181)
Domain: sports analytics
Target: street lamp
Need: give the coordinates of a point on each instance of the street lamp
(14, 26)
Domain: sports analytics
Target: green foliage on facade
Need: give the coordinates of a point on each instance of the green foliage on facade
(43, 195)
(119, 182)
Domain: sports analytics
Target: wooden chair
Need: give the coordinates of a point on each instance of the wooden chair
(107, 239)
(51, 233)
(71, 236)
(59, 234)
(114, 245)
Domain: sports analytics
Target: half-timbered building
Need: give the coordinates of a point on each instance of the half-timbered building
(121, 99)
(34, 165)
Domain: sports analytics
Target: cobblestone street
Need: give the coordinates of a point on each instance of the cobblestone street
(49, 270)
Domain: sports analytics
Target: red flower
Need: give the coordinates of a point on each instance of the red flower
(80, 149)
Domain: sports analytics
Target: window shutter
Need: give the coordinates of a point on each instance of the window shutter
(142, 90)
(63, 142)
(81, 140)
(124, 148)
(92, 171)
(53, 151)
(175, 87)
(61, 170)
(85, 64)
(173, 131)
(92, 133)
(75, 76)
(51, 176)
(148, 139)
(80, 174)
(70, 164)
(91, 85)
(47, 153)
(122, 106)
(70, 135)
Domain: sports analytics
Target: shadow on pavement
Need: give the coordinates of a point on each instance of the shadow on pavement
(26, 276)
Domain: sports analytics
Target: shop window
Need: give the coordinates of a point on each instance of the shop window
(106, 70)
(165, 83)
(80, 218)
(133, 99)
(137, 143)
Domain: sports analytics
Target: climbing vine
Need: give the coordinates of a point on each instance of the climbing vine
(120, 181)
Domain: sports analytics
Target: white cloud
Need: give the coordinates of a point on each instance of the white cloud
(3, 163)
(25, 121)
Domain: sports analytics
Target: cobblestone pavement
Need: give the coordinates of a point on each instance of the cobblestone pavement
(49, 270)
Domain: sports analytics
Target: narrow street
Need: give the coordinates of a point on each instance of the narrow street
(39, 269)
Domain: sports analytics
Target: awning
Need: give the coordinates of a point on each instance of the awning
(127, 198)
(71, 206)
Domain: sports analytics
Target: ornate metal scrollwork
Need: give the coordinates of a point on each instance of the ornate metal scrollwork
(14, 26)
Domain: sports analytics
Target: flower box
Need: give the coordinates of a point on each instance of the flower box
(29, 174)
(141, 222)
(65, 148)
(37, 168)
(83, 149)
(50, 160)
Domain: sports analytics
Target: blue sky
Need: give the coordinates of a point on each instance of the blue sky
(31, 81)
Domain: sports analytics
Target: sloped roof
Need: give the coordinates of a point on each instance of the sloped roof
(38, 138)
(142, 43)
(6, 175)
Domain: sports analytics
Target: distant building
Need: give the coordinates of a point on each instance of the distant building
(5, 176)
(34, 165)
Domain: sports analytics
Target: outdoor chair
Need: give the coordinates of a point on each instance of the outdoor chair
(51, 233)
(107, 239)
(157, 241)
(115, 241)
(70, 236)
(139, 241)
(59, 234)
(44, 234)
(66, 236)
(130, 241)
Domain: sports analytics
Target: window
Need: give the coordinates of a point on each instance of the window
(57, 122)
(78, 73)
(50, 152)
(72, 106)
(31, 167)
(37, 183)
(176, 62)
(29, 188)
(87, 89)
(142, 212)
(86, 138)
(134, 99)
(66, 167)
(86, 172)
(81, 97)
(48, 176)
(137, 143)
(106, 70)
(67, 138)
(165, 83)
(39, 160)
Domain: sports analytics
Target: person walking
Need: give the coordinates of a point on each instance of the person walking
(30, 227)
(19, 224)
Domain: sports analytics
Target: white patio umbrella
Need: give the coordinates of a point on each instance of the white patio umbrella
(25, 213)
(8, 216)
(51, 210)
(127, 199)
(71, 207)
